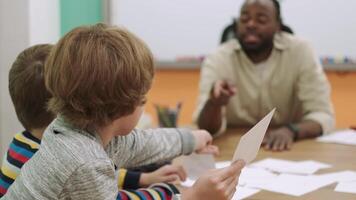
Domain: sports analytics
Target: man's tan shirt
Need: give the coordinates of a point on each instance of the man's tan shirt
(292, 80)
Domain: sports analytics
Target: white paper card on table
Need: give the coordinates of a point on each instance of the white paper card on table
(349, 187)
(198, 164)
(295, 185)
(341, 176)
(313, 164)
(248, 174)
(347, 137)
(252, 176)
(294, 167)
(244, 192)
(250, 142)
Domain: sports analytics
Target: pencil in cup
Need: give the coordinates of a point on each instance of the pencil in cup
(168, 117)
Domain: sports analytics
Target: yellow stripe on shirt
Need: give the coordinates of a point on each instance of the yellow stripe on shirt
(7, 172)
(155, 194)
(23, 139)
(121, 178)
(132, 196)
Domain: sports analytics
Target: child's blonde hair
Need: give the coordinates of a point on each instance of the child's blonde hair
(97, 74)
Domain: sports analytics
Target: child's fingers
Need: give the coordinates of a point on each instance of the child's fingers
(232, 194)
(232, 171)
(208, 137)
(214, 150)
(233, 180)
(211, 149)
(203, 138)
(181, 173)
(231, 186)
(171, 178)
(230, 191)
(175, 170)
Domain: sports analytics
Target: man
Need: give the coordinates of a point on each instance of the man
(264, 68)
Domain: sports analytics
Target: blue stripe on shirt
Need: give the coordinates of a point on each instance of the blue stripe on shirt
(21, 150)
(4, 184)
(140, 194)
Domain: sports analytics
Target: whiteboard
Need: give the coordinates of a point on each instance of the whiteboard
(192, 28)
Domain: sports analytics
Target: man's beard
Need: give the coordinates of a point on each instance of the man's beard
(258, 48)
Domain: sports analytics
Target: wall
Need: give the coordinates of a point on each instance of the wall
(44, 21)
(328, 25)
(193, 28)
(22, 23)
(79, 12)
(176, 28)
(14, 37)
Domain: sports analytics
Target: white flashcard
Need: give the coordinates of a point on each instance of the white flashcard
(198, 164)
(250, 143)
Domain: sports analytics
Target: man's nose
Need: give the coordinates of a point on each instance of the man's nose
(251, 23)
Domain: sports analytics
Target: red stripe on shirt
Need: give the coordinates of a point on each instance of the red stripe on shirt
(18, 156)
(123, 196)
(146, 194)
(2, 191)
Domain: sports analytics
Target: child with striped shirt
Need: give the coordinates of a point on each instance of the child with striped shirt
(29, 96)
(98, 77)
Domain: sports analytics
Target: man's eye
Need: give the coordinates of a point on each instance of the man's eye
(244, 19)
(262, 20)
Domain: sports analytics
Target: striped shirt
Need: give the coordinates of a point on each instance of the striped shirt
(21, 149)
(160, 191)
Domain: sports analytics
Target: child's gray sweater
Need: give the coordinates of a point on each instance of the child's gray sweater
(72, 163)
